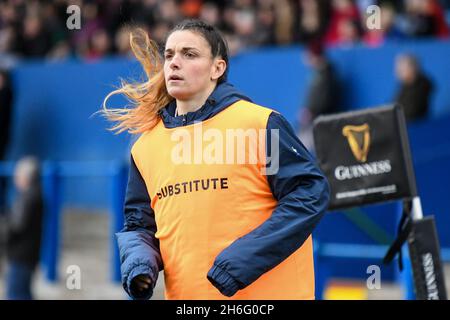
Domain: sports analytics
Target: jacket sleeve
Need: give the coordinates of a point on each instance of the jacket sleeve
(22, 217)
(21, 214)
(138, 246)
(302, 193)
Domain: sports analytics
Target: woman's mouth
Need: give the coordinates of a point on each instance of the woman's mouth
(175, 78)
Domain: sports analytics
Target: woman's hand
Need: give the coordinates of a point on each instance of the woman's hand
(141, 283)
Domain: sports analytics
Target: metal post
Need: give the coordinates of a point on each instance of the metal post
(416, 210)
(405, 277)
(51, 235)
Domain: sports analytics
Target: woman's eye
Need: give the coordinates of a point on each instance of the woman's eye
(167, 56)
(189, 54)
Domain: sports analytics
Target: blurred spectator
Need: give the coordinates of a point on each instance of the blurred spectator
(415, 87)
(122, 42)
(312, 20)
(349, 33)
(265, 22)
(169, 11)
(144, 12)
(323, 94)
(60, 51)
(364, 4)
(210, 13)
(159, 32)
(99, 45)
(7, 36)
(38, 28)
(425, 18)
(6, 103)
(35, 41)
(233, 42)
(191, 8)
(436, 10)
(8, 42)
(344, 26)
(244, 23)
(52, 19)
(284, 22)
(91, 22)
(24, 230)
(389, 30)
(323, 89)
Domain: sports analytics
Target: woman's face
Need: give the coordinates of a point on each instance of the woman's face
(189, 68)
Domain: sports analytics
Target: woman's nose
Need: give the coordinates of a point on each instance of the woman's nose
(175, 62)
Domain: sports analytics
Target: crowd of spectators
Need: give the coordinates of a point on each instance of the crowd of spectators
(38, 29)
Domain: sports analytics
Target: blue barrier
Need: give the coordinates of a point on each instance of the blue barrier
(53, 118)
(359, 252)
(355, 252)
(119, 174)
(52, 174)
(116, 172)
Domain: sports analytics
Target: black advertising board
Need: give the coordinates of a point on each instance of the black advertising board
(365, 156)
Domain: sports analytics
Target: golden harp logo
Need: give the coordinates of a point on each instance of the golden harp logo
(358, 138)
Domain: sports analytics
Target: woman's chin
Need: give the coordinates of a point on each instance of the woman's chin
(177, 93)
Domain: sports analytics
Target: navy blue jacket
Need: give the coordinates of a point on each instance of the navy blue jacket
(300, 188)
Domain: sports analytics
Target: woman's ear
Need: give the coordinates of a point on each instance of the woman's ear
(219, 68)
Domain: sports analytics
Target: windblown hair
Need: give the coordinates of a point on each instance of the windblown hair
(148, 97)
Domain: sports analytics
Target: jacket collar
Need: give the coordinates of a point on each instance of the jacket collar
(222, 97)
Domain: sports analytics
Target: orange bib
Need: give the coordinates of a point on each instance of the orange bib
(204, 201)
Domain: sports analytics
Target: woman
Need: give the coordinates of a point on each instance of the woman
(24, 230)
(239, 229)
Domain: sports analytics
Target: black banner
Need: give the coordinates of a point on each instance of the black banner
(226, 310)
(424, 251)
(365, 156)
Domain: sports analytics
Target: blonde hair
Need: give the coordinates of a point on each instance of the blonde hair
(148, 97)
(29, 168)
